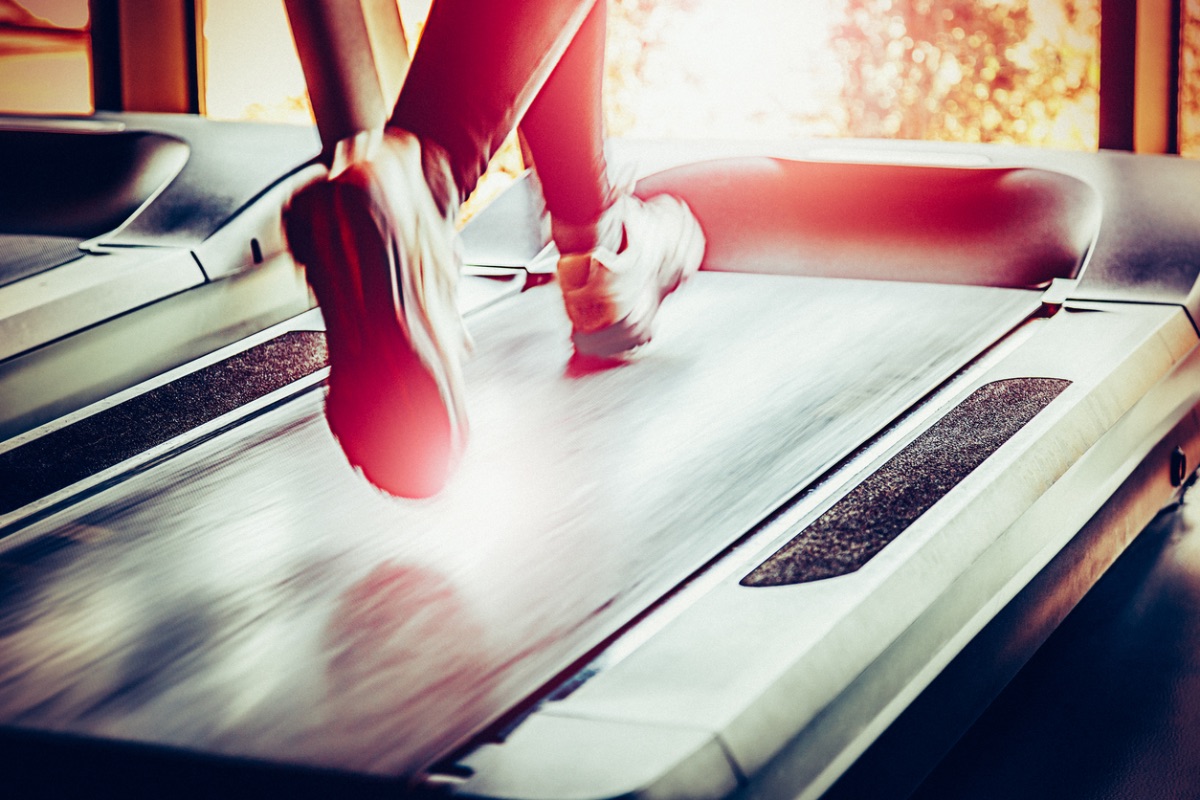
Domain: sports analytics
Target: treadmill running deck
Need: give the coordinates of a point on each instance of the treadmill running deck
(252, 597)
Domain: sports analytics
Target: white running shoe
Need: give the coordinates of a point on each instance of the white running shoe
(612, 297)
(381, 255)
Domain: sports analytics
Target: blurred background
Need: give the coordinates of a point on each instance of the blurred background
(1006, 71)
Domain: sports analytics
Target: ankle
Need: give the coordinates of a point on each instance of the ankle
(436, 170)
(435, 164)
(607, 230)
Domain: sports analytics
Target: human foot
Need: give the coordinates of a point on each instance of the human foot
(380, 251)
(612, 295)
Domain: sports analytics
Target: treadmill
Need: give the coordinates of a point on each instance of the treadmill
(876, 444)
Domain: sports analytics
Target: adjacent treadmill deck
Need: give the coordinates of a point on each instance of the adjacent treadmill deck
(251, 597)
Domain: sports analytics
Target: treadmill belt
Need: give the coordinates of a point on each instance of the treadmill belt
(252, 597)
(24, 255)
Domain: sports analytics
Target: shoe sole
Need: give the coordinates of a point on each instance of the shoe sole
(383, 405)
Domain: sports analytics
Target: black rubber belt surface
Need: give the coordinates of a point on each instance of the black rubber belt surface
(880, 508)
(109, 437)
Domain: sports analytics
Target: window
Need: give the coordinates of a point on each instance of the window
(251, 70)
(1009, 71)
(1189, 80)
(45, 57)
(1014, 71)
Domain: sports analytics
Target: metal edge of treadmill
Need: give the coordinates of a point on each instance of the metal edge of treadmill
(76, 370)
(307, 320)
(88, 291)
(792, 716)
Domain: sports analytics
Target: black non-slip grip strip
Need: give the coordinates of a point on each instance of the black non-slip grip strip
(22, 256)
(109, 437)
(880, 508)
